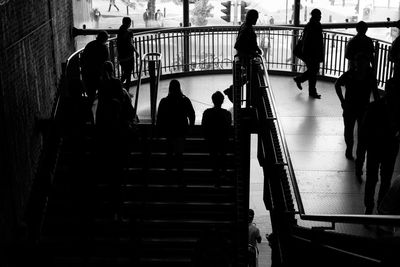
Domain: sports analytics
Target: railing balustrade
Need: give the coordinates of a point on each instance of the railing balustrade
(211, 49)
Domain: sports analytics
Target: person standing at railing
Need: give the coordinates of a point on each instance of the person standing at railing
(360, 43)
(216, 123)
(126, 51)
(313, 53)
(175, 115)
(93, 57)
(246, 41)
(359, 82)
(380, 135)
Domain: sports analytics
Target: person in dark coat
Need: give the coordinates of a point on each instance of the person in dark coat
(93, 57)
(360, 43)
(380, 135)
(216, 123)
(175, 114)
(359, 82)
(246, 41)
(313, 53)
(126, 51)
(115, 118)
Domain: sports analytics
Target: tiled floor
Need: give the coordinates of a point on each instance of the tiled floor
(314, 133)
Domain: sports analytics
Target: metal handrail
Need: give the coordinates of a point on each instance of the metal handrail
(333, 218)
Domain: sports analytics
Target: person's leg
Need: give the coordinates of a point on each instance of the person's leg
(128, 73)
(372, 179)
(349, 120)
(361, 149)
(387, 167)
(313, 68)
(109, 8)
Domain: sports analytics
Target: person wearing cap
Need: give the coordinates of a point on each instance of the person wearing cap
(313, 53)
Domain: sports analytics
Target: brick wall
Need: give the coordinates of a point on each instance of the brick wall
(35, 40)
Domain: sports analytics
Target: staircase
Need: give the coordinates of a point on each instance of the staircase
(160, 223)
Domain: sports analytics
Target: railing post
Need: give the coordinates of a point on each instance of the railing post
(294, 41)
(153, 89)
(186, 50)
(376, 58)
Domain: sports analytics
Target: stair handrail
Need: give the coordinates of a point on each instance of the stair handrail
(333, 218)
(158, 57)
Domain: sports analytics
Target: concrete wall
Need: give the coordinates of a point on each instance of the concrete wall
(35, 39)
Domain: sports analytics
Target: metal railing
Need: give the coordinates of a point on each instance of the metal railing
(281, 159)
(211, 49)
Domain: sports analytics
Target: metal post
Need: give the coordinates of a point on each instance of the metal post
(153, 89)
(186, 35)
(296, 22)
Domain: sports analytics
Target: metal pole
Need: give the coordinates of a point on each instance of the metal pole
(152, 73)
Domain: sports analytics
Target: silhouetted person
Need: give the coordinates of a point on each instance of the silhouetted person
(394, 53)
(380, 134)
(216, 124)
(112, 3)
(254, 238)
(175, 114)
(93, 57)
(359, 82)
(146, 17)
(126, 51)
(360, 44)
(114, 122)
(313, 53)
(246, 41)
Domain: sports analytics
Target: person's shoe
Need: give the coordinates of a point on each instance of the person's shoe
(298, 83)
(315, 95)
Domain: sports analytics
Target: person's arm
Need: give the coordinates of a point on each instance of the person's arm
(338, 87)
(258, 238)
(191, 113)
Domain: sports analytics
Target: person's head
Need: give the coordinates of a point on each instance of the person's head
(251, 17)
(251, 215)
(174, 88)
(126, 21)
(316, 14)
(102, 37)
(361, 27)
(217, 98)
